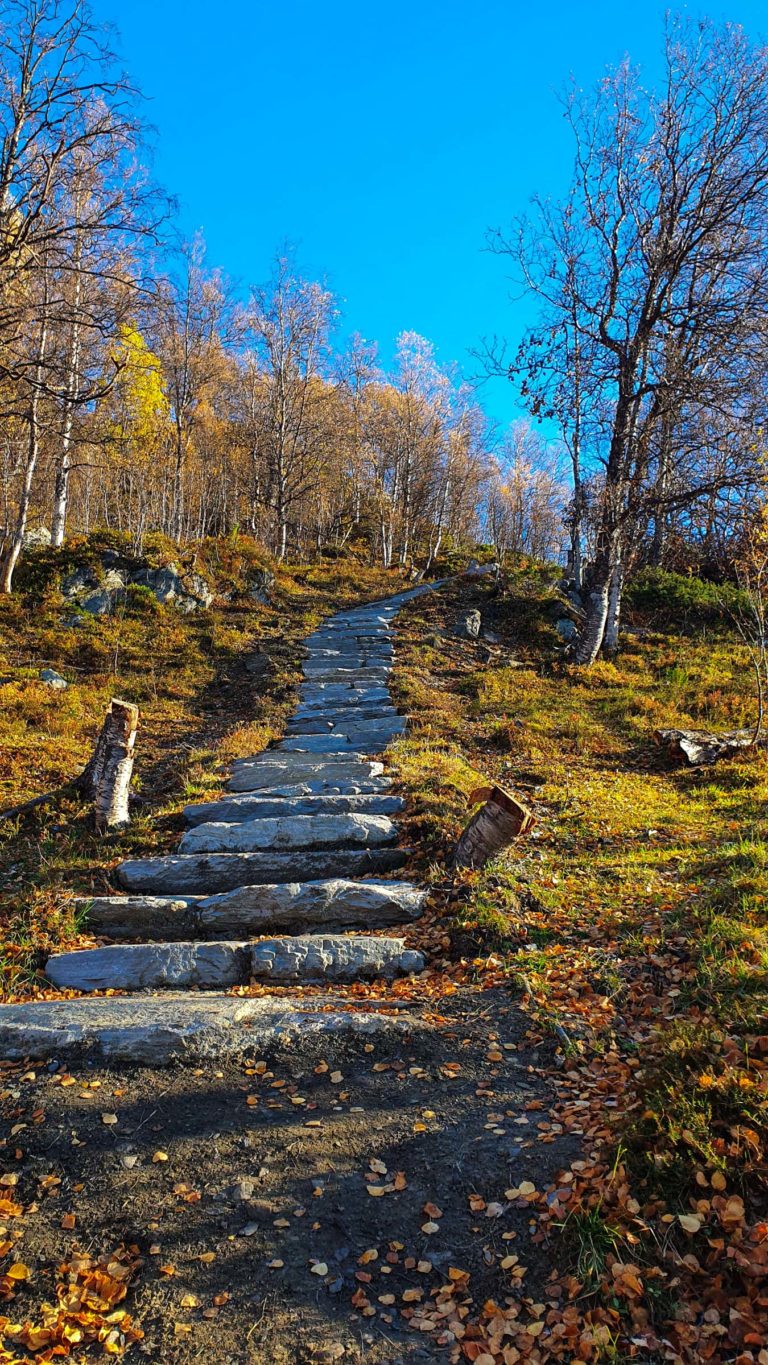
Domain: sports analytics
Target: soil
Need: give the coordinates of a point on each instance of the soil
(281, 1184)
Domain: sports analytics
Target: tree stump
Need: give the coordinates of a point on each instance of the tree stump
(496, 824)
(106, 777)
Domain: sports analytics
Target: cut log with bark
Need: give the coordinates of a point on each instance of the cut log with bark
(700, 747)
(499, 821)
(107, 776)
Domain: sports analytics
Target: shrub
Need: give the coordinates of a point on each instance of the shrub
(685, 601)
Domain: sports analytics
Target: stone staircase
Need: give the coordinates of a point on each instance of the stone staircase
(299, 848)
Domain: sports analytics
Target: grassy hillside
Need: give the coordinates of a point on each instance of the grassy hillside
(632, 924)
(199, 708)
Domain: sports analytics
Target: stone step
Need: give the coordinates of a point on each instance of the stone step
(341, 694)
(142, 919)
(365, 738)
(330, 743)
(322, 722)
(290, 832)
(369, 786)
(280, 772)
(237, 808)
(273, 758)
(333, 957)
(348, 656)
(312, 667)
(177, 966)
(178, 1027)
(336, 903)
(333, 904)
(205, 873)
(149, 966)
(346, 699)
(349, 677)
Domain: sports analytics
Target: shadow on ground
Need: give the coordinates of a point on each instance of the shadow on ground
(276, 1185)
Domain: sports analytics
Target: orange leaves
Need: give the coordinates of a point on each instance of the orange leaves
(88, 1292)
(377, 1190)
(626, 1280)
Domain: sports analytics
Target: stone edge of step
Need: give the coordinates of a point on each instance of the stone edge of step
(153, 1030)
(219, 963)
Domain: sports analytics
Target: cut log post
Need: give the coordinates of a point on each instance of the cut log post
(499, 821)
(107, 776)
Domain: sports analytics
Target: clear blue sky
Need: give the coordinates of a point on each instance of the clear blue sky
(382, 138)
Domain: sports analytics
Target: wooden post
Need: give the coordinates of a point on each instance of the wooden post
(107, 776)
(499, 820)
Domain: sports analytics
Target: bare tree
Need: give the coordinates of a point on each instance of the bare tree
(290, 321)
(195, 323)
(656, 264)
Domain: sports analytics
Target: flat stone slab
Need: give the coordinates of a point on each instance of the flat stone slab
(266, 807)
(335, 670)
(147, 966)
(150, 918)
(330, 714)
(322, 722)
(336, 903)
(367, 786)
(314, 744)
(171, 966)
(290, 832)
(273, 758)
(337, 694)
(159, 1030)
(330, 957)
(206, 873)
(297, 768)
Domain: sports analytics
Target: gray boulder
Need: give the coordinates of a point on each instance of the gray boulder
(261, 584)
(39, 538)
(78, 582)
(98, 603)
(566, 629)
(95, 595)
(53, 679)
(468, 625)
(189, 592)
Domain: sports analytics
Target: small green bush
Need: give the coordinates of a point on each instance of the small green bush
(685, 601)
(141, 601)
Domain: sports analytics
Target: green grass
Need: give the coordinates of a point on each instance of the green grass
(644, 886)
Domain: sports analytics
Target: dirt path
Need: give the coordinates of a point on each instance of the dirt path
(267, 1178)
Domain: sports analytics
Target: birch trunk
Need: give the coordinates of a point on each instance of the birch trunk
(107, 776)
(613, 619)
(14, 549)
(492, 828)
(61, 483)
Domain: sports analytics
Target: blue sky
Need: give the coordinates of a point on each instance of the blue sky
(383, 139)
